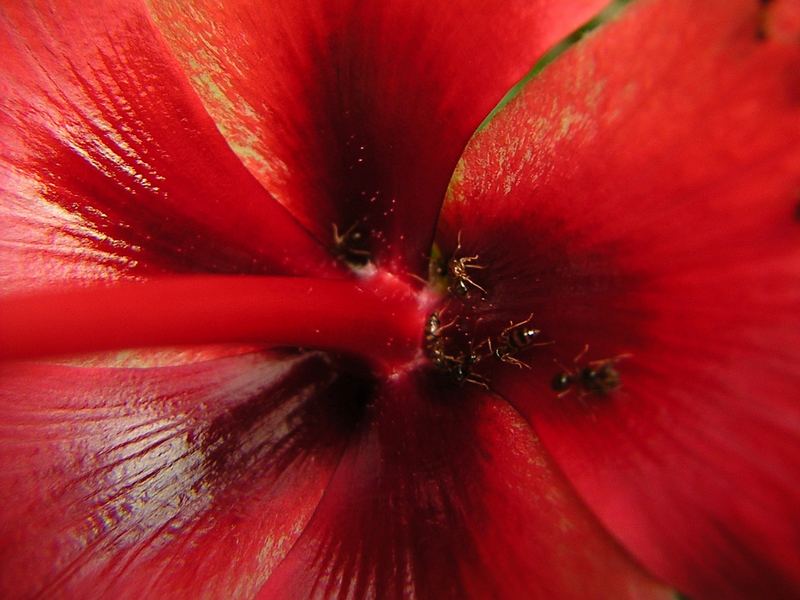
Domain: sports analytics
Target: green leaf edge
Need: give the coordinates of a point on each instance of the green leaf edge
(609, 13)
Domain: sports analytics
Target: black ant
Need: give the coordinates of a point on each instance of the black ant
(350, 246)
(460, 281)
(599, 377)
(515, 338)
(459, 367)
(462, 370)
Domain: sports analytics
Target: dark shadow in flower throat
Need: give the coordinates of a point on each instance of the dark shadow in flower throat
(244, 439)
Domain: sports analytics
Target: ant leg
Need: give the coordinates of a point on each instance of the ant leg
(581, 354)
(447, 325)
(341, 238)
(466, 262)
(359, 252)
(472, 283)
(418, 278)
(614, 360)
(620, 357)
(514, 361)
(513, 325)
(479, 382)
(477, 350)
(340, 241)
(337, 239)
(568, 371)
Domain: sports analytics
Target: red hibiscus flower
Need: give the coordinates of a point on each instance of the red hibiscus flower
(587, 389)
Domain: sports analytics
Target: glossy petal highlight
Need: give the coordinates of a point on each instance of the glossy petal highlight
(109, 164)
(164, 482)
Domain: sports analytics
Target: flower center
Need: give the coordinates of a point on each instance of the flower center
(471, 334)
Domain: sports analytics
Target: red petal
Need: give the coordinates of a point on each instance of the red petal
(781, 21)
(174, 482)
(354, 113)
(108, 162)
(451, 497)
(641, 195)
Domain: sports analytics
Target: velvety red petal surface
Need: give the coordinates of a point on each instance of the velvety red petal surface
(354, 113)
(109, 163)
(642, 196)
(781, 21)
(451, 496)
(174, 482)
